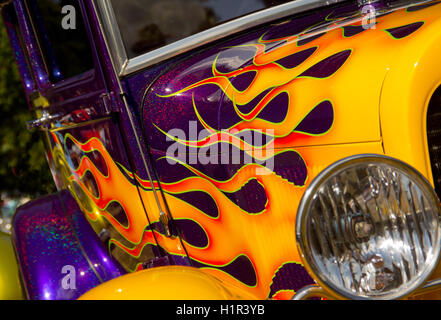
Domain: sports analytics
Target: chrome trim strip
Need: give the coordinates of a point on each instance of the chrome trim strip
(312, 291)
(429, 287)
(111, 33)
(126, 67)
(223, 30)
(315, 291)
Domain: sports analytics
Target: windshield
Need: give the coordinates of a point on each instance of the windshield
(149, 24)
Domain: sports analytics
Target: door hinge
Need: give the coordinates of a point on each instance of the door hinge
(109, 103)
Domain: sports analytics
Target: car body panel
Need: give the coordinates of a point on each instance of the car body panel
(408, 87)
(82, 155)
(51, 234)
(291, 98)
(209, 90)
(89, 112)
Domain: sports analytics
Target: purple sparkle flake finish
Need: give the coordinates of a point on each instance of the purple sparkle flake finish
(200, 200)
(296, 26)
(116, 210)
(234, 58)
(228, 116)
(328, 66)
(30, 42)
(50, 235)
(199, 92)
(244, 108)
(97, 254)
(190, 92)
(104, 55)
(309, 39)
(405, 31)
(288, 164)
(350, 31)
(319, 120)
(290, 276)
(276, 110)
(12, 28)
(192, 233)
(240, 268)
(251, 198)
(243, 81)
(208, 97)
(171, 170)
(296, 59)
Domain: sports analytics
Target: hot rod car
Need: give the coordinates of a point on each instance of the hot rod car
(217, 149)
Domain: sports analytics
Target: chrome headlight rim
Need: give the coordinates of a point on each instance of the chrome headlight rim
(308, 197)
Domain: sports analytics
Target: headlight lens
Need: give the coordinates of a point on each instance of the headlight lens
(369, 227)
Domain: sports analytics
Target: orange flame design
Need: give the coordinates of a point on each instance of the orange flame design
(267, 239)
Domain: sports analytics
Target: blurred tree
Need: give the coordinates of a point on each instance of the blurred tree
(23, 167)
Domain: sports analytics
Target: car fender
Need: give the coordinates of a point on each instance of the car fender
(411, 80)
(10, 286)
(60, 256)
(168, 283)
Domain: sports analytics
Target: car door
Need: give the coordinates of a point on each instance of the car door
(77, 109)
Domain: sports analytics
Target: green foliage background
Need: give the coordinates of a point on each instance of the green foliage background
(23, 167)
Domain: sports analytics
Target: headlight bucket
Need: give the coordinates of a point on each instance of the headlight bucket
(368, 227)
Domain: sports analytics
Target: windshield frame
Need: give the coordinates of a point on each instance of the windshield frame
(125, 66)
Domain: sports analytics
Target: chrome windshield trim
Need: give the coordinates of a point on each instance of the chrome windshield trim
(125, 66)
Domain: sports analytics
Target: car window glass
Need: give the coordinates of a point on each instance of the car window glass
(64, 43)
(149, 24)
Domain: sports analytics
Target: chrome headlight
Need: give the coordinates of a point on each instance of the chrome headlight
(369, 227)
